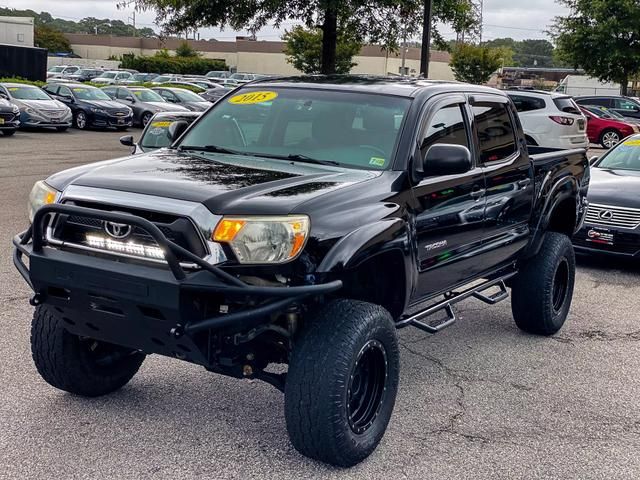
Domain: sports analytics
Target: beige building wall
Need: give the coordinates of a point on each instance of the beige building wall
(257, 57)
(17, 31)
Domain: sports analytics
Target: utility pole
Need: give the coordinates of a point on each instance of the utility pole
(426, 38)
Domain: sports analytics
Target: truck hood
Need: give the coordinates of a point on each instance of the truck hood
(615, 187)
(225, 184)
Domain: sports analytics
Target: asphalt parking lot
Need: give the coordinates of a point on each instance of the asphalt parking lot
(479, 400)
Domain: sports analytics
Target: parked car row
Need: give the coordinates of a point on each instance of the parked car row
(62, 105)
(557, 120)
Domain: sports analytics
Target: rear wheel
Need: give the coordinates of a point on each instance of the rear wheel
(81, 120)
(543, 289)
(78, 365)
(610, 138)
(342, 382)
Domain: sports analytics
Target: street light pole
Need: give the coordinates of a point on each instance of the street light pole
(426, 38)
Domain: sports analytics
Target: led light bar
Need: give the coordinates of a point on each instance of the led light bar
(130, 248)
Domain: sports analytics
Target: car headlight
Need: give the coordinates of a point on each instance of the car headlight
(41, 194)
(15, 109)
(259, 240)
(30, 111)
(98, 110)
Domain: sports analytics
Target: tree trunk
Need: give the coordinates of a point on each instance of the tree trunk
(624, 85)
(329, 40)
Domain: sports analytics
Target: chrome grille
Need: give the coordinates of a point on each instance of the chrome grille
(613, 216)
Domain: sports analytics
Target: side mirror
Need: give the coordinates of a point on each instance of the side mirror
(446, 159)
(176, 129)
(593, 160)
(130, 99)
(68, 98)
(2, 95)
(127, 141)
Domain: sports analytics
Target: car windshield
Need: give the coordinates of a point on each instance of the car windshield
(162, 78)
(316, 126)
(88, 93)
(187, 96)
(156, 135)
(146, 95)
(625, 156)
(28, 93)
(55, 69)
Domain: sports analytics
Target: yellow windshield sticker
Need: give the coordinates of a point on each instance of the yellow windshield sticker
(161, 124)
(253, 97)
(377, 161)
(79, 89)
(632, 143)
(14, 89)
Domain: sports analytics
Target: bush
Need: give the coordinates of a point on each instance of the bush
(168, 64)
(36, 83)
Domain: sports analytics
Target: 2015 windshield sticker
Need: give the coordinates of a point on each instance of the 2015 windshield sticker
(253, 97)
(161, 124)
(632, 143)
(377, 161)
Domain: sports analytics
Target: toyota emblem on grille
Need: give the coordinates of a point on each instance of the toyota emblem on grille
(117, 230)
(606, 215)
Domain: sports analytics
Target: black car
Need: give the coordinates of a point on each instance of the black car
(157, 133)
(143, 101)
(302, 221)
(84, 74)
(214, 94)
(9, 116)
(91, 107)
(625, 106)
(612, 225)
(183, 97)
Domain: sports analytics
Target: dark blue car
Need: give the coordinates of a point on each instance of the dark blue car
(91, 107)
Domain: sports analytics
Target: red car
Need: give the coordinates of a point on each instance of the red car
(605, 129)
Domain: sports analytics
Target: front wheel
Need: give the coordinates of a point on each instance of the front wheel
(543, 289)
(146, 118)
(610, 138)
(342, 382)
(78, 365)
(81, 120)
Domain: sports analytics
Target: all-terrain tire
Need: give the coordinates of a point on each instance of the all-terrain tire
(76, 365)
(543, 289)
(332, 367)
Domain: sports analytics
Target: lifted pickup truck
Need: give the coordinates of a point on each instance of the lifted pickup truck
(301, 221)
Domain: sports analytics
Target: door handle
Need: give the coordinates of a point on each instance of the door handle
(524, 183)
(477, 194)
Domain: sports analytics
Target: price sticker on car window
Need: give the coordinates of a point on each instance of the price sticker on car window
(632, 143)
(161, 124)
(79, 89)
(14, 89)
(377, 161)
(252, 98)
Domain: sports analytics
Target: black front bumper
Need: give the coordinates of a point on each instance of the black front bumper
(608, 240)
(102, 120)
(156, 309)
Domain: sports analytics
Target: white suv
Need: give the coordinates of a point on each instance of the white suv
(550, 119)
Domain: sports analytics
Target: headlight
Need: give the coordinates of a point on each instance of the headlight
(30, 111)
(98, 110)
(264, 239)
(16, 109)
(41, 194)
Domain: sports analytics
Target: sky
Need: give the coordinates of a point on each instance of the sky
(502, 18)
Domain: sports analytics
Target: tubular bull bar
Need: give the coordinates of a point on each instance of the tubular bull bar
(138, 304)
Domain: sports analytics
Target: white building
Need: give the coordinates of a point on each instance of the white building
(16, 31)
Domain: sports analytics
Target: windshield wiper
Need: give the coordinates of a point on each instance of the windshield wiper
(296, 157)
(209, 148)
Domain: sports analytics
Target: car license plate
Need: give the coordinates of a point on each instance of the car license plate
(121, 121)
(1, 121)
(601, 236)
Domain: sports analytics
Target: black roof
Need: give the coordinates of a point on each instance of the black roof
(399, 86)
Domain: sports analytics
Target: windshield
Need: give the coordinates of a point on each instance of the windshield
(108, 75)
(28, 93)
(352, 129)
(187, 96)
(567, 105)
(624, 157)
(156, 135)
(86, 93)
(56, 69)
(145, 95)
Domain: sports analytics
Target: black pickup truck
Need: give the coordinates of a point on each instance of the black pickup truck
(301, 221)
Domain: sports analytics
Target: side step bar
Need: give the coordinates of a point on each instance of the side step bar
(451, 298)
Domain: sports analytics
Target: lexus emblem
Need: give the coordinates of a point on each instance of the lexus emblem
(117, 230)
(606, 215)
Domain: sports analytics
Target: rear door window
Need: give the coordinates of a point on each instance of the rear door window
(601, 102)
(528, 104)
(495, 130)
(627, 105)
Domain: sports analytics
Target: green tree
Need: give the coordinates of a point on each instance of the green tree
(474, 63)
(52, 40)
(379, 21)
(304, 50)
(186, 50)
(602, 37)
